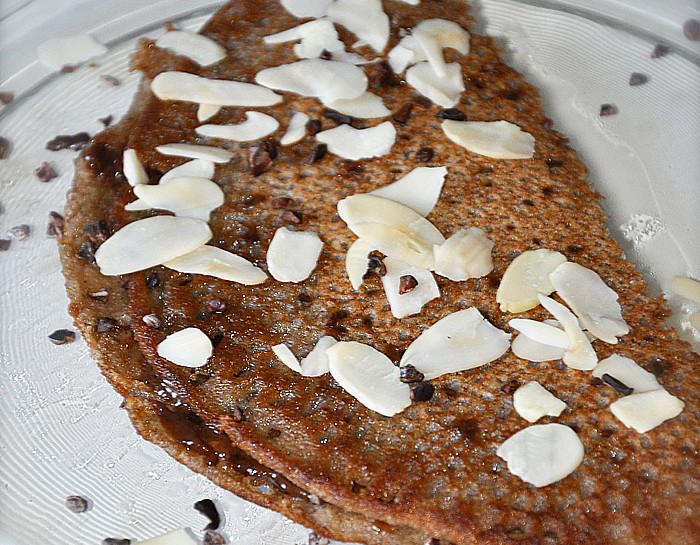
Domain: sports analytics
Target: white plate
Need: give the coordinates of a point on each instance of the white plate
(61, 430)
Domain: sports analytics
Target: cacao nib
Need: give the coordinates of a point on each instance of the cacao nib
(105, 160)
(62, 336)
(261, 155)
(691, 29)
(105, 324)
(407, 283)
(76, 142)
(213, 538)
(6, 98)
(316, 154)
(208, 509)
(76, 504)
(608, 109)
(19, 232)
(152, 281)
(281, 202)
(45, 172)
(87, 251)
(425, 155)
(402, 114)
(339, 118)
(291, 216)
(55, 226)
(409, 374)
(313, 127)
(5, 148)
(106, 121)
(616, 384)
(661, 50)
(637, 78)
(97, 231)
(422, 391)
(115, 541)
(326, 55)
(386, 75)
(452, 114)
(317, 539)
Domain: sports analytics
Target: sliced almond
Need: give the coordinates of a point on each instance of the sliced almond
(368, 376)
(628, 373)
(434, 35)
(525, 277)
(351, 143)
(134, 172)
(400, 242)
(444, 91)
(365, 106)
(176, 537)
(532, 402)
(286, 356)
(296, 130)
(686, 287)
(459, 341)
(325, 79)
(580, 354)
(195, 151)
(306, 8)
(293, 255)
(356, 262)
(364, 18)
(316, 363)
(213, 261)
(207, 111)
(466, 254)
(188, 347)
(201, 49)
(149, 242)
(541, 332)
(197, 168)
(496, 139)
(315, 37)
(645, 411)
(411, 302)
(542, 454)
(591, 299)
(254, 127)
(406, 52)
(187, 197)
(695, 320)
(137, 206)
(192, 88)
(524, 347)
(419, 189)
(411, 2)
(69, 50)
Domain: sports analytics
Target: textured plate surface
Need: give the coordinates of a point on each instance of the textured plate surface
(62, 431)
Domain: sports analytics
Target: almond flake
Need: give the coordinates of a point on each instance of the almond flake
(541, 332)
(187, 197)
(686, 287)
(293, 255)
(406, 52)
(356, 262)
(207, 111)
(69, 50)
(254, 127)
(694, 320)
(148, 242)
(459, 341)
(195, 151)
(591, 299)
(188, 347)
(202, 50)
(176, 537)
(191, 88)
(350, 143)
(628, 372)
(133, 169)
(542, 454)
(286, 356)
(306, 8)
(525, 277)
(411, 302)
(197, 168)
(647, 410)
(580, 354)
(316, 362)
(524, 347)
(444, 91)
(419, 189)
(466, 254)
(532, 402)
(315, 37)
(325, 79)
(368, 376)
(434, 35)
(496, 139)
(366, 106)
(296, 130)
(213, 261)
(364, 18)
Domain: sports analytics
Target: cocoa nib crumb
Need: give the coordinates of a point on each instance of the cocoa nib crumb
(334, 317)
(76, 504)
(213, 538)
(407, 283)
(386, 74)
(215, 305)
(105, 324)
(100, 295)
(208, 509)
(661, 50)
(313, 127)
(691, 29)
(316, 154)
(97, 231)
(304, 299)
(152, 321)
(62, 336)
(425, 155)
(75, 142)
(106, 121)
(616, 384)
(339, 118)
(326, 55)
(409, 374)
(6, 98)
(68, 68)
(261, 155)
(375, 265)
(5, 244)
(110, 80)
(291, 216)
(55, 226)
(402, 114)
(510, 386)
(237, 414)
(608, 109)
(19, 232)
(45, 172)
(5, 148)
(152, 281)
(422, 391)
(637, 78)
(115, 541)
(281, 202)
(452, 114)
(316, 539)
(87, 251)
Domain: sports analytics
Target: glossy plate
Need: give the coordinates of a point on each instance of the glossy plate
(62, 431)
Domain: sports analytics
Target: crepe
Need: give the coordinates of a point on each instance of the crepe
(431, 471)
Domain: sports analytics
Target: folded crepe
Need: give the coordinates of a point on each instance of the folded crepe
(403, 460)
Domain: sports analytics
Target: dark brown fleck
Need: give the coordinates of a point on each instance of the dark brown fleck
(432, 541)
(291, 216)
(691, 29)
(402, 114)
(656, 366)
(608, 109)
(208, 509)
(19, 232)
(313, 127)
(213, 538)
(425, 155)
(339, 118)
(386, 75)
(407, 283)
(617, 384)
(55, 225)
(97, 231)
(105, 324)
(68, 68)
(409, 374)
(152, 321)
(152, 281)
(87, 251)
(169, 26)
(334, 317)
(510, 386)
(237, 414)
(45, 172)
(452, 114)
(5, 148)
(661, 50)
(317, 539)
(422, 391)
(375, 265)
(106, 121)
(214, 305)
(304, 299)
(76, 504)
(76, 142)
(62, 336)
(274, 433)
(261, 155)
(110, 80)
(115, 541)
(637, 78)
(281, 202)
(326, 55)
(6, 98)
(100, 295)
(316, 154)
(424, 102)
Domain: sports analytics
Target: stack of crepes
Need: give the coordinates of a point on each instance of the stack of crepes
(422, 415)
